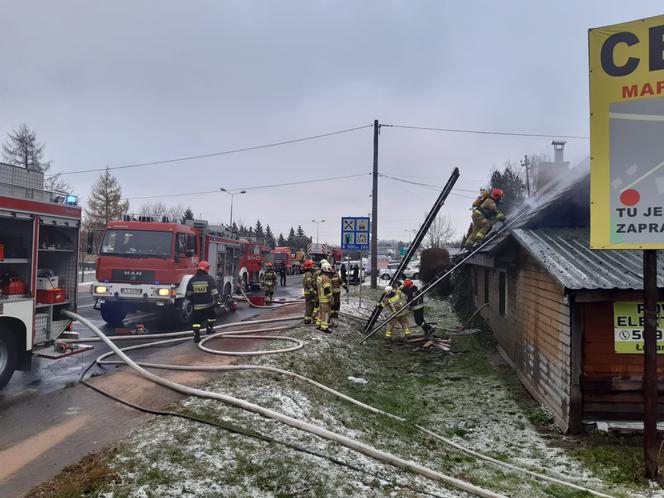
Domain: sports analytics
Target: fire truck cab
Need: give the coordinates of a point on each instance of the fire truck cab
(145, 265)
(39, 237)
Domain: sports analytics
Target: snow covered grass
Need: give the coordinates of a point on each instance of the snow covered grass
(467, 396)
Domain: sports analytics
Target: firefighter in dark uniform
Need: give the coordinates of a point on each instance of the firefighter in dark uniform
(269, 281)
(411, 292)
(203, 294)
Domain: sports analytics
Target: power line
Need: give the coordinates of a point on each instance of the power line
(215, 154)
(486, 132)
(255, 187)
(424, 185)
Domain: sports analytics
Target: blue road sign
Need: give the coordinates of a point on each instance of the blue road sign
(355, 233)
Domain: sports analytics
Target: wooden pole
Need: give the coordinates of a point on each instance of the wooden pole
(374, 210)
(650, 362)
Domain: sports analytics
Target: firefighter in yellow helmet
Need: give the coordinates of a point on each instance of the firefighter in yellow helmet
(310, 291)
(393, 301)
(269, 281)
(484, 217)
(325, 297)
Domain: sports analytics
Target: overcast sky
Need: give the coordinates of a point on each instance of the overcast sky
(114, 83)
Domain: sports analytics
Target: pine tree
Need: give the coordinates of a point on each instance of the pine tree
(188, 215)
(281, 241)
(243, 231)
(105, 202)
(258, 230)
(513, 186)
(269, 237)
(250, 232)
(300, 231)
(291, 238)
(235, 229)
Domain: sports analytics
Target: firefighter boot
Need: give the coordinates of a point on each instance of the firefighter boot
(406, 332)
(210, 326)
(197, 333)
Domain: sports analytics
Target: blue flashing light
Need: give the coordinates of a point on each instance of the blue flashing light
(71, 200)
(156, 282)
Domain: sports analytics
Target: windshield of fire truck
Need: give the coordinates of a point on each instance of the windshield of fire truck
(137, 243)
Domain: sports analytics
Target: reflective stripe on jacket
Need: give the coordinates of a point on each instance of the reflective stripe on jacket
(202, 291)
(324, 288)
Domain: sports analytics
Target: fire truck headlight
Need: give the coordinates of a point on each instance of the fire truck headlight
(164, 292)
(101, 289)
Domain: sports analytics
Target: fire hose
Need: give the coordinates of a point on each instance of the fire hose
(298, 424)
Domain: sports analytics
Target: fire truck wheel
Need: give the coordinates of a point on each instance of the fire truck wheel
(113, 313)
(183, 313)
(7, 356)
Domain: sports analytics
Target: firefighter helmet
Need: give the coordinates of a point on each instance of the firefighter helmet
(269, 265)
(388, 288)
(408, 283)
(204, 265)
(497, 194)
(308, 264)
(326, 267)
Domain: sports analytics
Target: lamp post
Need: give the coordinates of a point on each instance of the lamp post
(232, 194)
(410, 234)
(317, 227)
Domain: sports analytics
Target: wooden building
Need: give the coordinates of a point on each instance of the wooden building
(550, 304)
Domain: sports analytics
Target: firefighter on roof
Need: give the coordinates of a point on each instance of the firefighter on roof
(310, 291)
(269, 281)
(203, 294)
(324, 296)
(484, 217)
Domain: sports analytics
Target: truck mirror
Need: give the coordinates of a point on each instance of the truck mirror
(91, 242)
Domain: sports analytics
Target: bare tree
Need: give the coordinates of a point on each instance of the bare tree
(23, 149)
(441, 232)
(158, 210)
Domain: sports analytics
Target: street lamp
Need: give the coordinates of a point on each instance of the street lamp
(410, 234)
(232, 194)
(317, 227)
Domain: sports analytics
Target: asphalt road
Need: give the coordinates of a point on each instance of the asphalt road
(49, 421)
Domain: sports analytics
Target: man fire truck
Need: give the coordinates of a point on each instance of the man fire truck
(145, 265)
(251, 264)
(39, 234)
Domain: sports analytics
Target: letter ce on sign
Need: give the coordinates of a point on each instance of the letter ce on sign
(656, 52)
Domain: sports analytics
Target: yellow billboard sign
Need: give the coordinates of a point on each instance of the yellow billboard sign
(627, 135)
(628, 321)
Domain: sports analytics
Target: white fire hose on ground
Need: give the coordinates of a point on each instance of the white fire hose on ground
(298, 424)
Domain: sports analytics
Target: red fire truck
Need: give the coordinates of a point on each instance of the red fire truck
(39, 235)
(281, 256)
(145, 265)
(251, 263)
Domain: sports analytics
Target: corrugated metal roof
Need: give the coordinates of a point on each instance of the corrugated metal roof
(566, 253)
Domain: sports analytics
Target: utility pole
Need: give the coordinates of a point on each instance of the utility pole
(525, 163)
(374, 210)
(650, 446)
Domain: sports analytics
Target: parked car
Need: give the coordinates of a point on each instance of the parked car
(410, 271)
